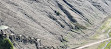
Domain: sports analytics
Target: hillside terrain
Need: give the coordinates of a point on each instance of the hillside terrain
(65, 24)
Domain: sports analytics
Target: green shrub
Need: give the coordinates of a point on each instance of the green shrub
(5, 44)
(57, 13)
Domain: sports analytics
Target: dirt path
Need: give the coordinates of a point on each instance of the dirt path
(93, 43)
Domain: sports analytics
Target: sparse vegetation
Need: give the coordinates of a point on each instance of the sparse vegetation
(57, 13)
(5, 43)
(105, 27)
(79, 26)
(108, 45)
(101, 45)
(110, 34)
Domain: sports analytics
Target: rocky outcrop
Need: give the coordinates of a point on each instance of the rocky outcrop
(29, 40)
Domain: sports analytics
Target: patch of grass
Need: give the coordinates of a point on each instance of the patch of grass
(108, 45)
(95, 36)
(5, 43)
(110, 34)
(101, 45)
(105, 27)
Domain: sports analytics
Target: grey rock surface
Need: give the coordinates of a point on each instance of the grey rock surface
(54, 21)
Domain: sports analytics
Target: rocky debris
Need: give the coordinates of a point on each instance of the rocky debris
(49, 19)
(24, 39)
(32, 40)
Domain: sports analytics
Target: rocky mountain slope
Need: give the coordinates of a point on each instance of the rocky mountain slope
(56, 22)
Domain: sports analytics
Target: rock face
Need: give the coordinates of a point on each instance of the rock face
(55, 22)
